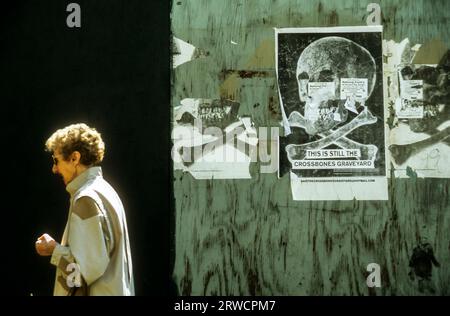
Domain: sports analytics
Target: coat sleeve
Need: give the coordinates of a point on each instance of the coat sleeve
(87, 243)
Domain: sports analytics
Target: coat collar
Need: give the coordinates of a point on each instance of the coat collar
(89, 174)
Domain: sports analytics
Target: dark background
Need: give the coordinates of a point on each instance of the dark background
(113, 74)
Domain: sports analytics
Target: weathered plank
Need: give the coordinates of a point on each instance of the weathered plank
(248, 237)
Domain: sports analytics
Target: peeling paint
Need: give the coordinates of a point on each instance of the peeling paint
(184, 52)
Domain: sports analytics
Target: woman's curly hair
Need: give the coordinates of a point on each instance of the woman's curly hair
(78, 137)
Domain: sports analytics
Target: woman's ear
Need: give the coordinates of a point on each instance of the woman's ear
(76, 156)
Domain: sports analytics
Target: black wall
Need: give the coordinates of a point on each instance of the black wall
(113, 74)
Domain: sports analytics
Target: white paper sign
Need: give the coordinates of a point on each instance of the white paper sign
(407, 109)
(356, 87)
(315, 88)
(411, 89)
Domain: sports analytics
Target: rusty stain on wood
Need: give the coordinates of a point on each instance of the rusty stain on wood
(243, 74)
(263, 57)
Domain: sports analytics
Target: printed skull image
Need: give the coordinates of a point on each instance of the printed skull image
(335, 75)
(320, 68)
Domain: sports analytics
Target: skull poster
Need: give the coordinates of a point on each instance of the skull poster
(331, 95)
(418, 99)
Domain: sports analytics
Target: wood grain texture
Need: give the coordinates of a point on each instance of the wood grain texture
(248, 237)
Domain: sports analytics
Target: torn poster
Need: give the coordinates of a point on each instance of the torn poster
(331, 96)
(210, 140)
(183, 52)
(419, 100)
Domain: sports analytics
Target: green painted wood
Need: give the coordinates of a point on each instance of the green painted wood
(248, 237)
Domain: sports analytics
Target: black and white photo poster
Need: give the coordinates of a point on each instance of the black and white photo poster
(331, 95)
(418, 99)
